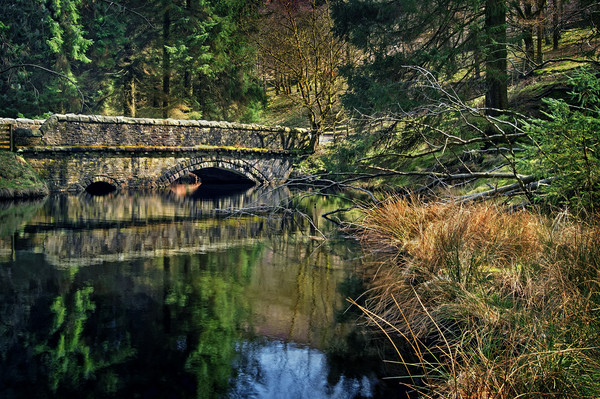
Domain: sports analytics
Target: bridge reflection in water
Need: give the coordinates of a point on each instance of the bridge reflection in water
(144, 225)
(160, 295)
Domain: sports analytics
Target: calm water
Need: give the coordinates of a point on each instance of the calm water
(158, 296)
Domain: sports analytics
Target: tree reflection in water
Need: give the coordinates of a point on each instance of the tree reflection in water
(172, 302)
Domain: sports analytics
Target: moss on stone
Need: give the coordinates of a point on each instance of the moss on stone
(18, 179)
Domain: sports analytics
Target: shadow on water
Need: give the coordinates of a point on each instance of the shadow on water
(215, 191)
(151, 295)
(100, 188)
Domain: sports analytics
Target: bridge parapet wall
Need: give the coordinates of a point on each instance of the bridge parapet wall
(117, 131)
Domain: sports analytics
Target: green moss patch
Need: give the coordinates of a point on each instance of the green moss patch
(18, 179)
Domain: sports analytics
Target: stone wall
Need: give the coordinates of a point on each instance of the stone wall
(72, 151)
(110, 131)
(73, 169)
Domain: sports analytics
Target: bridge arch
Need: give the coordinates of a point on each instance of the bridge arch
(100, 184)
(238, 166)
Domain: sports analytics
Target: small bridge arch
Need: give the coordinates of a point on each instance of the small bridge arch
(100, 184)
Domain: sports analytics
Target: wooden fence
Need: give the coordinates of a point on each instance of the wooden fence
(6, 137)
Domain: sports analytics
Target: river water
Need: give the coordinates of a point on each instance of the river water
(168, 295)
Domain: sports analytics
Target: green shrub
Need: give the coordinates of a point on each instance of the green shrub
(566, 145)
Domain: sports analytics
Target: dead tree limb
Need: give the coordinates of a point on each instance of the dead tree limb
(457, 176)
(531, 186)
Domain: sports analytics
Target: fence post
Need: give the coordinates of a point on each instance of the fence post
(6, 137)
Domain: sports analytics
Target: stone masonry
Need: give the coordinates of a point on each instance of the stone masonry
(72, 151)
(110, 131)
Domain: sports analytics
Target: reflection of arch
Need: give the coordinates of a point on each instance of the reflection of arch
(100, 179)
(189, 178)
(239, 166)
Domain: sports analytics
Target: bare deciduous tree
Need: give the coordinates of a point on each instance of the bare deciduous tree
(298, 48)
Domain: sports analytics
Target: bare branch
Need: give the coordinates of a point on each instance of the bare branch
(49, 71)
(531, 186)
(458, 176)
(112, 3)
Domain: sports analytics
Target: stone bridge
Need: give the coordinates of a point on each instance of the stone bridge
(71, 152)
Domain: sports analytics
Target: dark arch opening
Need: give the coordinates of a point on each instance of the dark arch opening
(222, 176)
(218, 183)
(100, 188)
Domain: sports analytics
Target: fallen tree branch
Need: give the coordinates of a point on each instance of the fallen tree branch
(337, 222)
(458, 176)
(511, 188)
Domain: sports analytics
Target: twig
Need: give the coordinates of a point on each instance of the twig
(49, 71)
(111, 3)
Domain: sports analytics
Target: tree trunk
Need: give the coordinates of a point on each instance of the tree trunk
(529, 48)
(540, 38)
(528, 36)
(315, 131)
(496, 96)
(156, 95)
(188, 84)
(540, 5)
(477, 56)
(129, 94)
(166, 61)
(556, 5)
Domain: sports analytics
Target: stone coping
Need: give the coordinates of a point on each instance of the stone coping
(24, 121)
(141, 149)
(149, 121)
(168, 122)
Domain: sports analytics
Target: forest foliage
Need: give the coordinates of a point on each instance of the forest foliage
(183, 59)
(456, 100)
(430, 94)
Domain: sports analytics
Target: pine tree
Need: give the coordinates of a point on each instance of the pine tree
(449, 38)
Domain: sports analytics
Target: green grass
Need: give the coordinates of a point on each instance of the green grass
(18, 179)
(281, 110)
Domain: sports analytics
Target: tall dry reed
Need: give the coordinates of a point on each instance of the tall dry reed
(481, 303)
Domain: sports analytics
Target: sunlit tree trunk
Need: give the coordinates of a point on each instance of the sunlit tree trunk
(129, 94)
(166, 61)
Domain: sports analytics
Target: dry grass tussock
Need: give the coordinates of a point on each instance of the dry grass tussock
(480, 303)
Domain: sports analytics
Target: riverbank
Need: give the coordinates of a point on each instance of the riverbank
(480, 303)
(18, 180)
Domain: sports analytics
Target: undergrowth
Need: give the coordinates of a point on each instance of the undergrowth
(480, 303)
